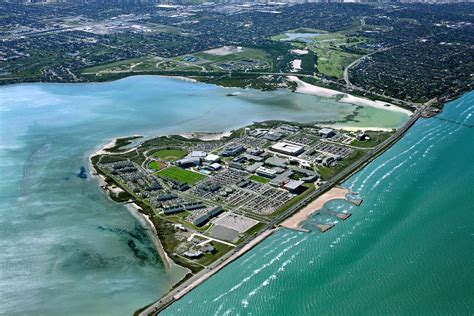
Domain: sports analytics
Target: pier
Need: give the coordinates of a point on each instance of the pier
(295, 221)
(343, 216)
(324, 227)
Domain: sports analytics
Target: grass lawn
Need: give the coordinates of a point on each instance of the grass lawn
(221, 249)
(259, 179)
(334, 50)
(182, 175)
(309, 188)
(170, 154)
(327, 173)
(375, 139)
(156, 165)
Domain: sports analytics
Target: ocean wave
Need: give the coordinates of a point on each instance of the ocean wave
(259, 269)
(430, 132)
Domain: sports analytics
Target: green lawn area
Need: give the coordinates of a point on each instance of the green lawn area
(246, 58)
(156, 165)
(182, 175)
(170, 154)
(309, 188)
(375, 139)
(259, 179)
(221, 249)
(327, 173)
(118, 65)
(333, 54)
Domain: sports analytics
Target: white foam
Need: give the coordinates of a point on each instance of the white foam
(261, 268)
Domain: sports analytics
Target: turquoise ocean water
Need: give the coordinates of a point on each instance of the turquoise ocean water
(407, 250)
(65, 249)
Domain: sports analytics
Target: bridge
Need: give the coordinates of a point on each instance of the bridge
(453, 121)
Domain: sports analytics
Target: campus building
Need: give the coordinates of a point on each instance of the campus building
(287, 148)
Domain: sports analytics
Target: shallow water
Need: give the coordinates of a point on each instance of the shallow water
(407, 250)
(67, 249)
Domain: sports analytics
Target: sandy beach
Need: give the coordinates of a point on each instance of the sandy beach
(103, 149)
(307, 88)
(357, 128)
(295, 221)
(206, 136)
(179, 78)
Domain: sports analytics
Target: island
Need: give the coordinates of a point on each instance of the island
(210, 197)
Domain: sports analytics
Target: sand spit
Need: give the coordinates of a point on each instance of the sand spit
(179, 78)
(307, 88)
(359, 128)
(295, 221)
(103, 149)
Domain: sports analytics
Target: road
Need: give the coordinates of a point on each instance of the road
(234, 254)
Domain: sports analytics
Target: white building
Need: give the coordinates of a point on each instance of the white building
(212, 158)
(265, 172)
(287, 148)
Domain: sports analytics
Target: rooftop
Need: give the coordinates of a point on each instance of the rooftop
(287, 148)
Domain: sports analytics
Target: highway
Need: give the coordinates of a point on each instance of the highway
(234, 254)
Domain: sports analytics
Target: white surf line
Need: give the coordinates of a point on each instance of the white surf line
(217, 312)
(280, 244)
(437, 141)
(270, 279)
(259, 269)
(433, 135)
(409, 159)
(371, 174)
(447, 133)
(365, 170)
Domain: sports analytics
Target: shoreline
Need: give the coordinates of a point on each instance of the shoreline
(294, 222)
(233, 257)
(197, 279)
(143, 219)
(307, 88)
(102, 150)
(151, 229)
(206, 136)
(362, 128)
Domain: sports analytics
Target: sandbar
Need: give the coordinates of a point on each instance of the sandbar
(307, 88)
